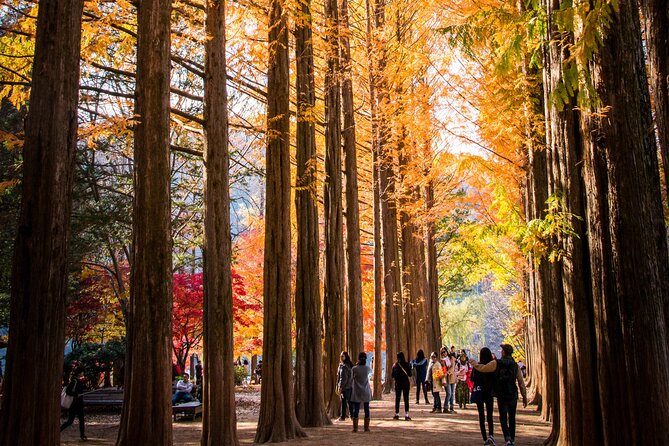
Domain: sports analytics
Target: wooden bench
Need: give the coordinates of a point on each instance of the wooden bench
(105, 397)
(191, 410)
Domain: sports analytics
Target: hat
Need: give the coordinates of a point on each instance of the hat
(507, 348)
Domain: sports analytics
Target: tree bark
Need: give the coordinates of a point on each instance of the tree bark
(432, 293)
(378, 264)
(394, 318)
(30, 405)
(309, 405)
(334, 242)
(626, 239)
(354, 326)
(656, 32)
(219, 420)
(147, 410)
(277, 421)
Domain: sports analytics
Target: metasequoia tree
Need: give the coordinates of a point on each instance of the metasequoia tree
(394, 319)
(354, 334)
(656, 35)
(219, 421)
(626, 236)
(147, 410)
(30, 406)
(309, 405)
(334, 226)
(277, 421)
(376, 209)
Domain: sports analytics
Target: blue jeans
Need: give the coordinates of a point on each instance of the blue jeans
(450, 396)
(507, 417)
(182, 396)
(346, 402)
(437, 400)
(355, 411)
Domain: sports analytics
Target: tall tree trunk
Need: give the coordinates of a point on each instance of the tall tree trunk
(219, 420)
(30, 405)
(626, 239)
(309, 405)
(395, 330)
(277, 421)
(354, 328)
(334, 227)
(378, 264)
(432, 296)
(147, 411)
(656, 32)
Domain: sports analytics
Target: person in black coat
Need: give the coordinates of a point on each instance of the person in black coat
(401, 373)
(75, 389)
(420, 365)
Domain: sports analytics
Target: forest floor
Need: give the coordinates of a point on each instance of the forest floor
(425, 428)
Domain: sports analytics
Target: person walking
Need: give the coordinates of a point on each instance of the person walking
(344, 382)
(401, 373)
(482, 397)
(75, 388)
(462, 389)
(448, 362)
(361, 393)
(420, 365)
(435, 375)
(507, 375)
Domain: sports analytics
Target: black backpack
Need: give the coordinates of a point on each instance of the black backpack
(505, 379)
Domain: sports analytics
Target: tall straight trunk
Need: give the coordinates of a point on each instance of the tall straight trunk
(219, 421)
(147, 411)
(378, 264)
(354, 328)
(408, 284)
(432, 293)
(395, 330)
(626, 239)
(334, 227)
(277, 421)
(577, 415)
(309, 405)
(656, 33)
(30, 405)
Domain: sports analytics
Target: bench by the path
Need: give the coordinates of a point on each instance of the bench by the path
(191, 410)
(107, 397)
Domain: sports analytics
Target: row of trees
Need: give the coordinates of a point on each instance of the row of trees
(586, 143)
(410, 291)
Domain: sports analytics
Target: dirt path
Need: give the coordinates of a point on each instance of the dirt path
(461, 428)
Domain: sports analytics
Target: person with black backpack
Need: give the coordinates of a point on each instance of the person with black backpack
(401, 373)
(507, 374)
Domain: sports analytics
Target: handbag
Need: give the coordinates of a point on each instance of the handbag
(65, 399)
(477, 395)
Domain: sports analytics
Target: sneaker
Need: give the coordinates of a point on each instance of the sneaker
(434, 409)
(407, 418)
(453, 410)
(83, 438)
(396, 417)
(341, 419)
(445, 409)
(417, 402)
(489, 442)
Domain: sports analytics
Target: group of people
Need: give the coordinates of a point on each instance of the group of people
(354, 389)
(464, 381)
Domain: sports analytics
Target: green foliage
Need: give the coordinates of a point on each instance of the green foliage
(541, 236)
(241, 373)
(94, 359)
